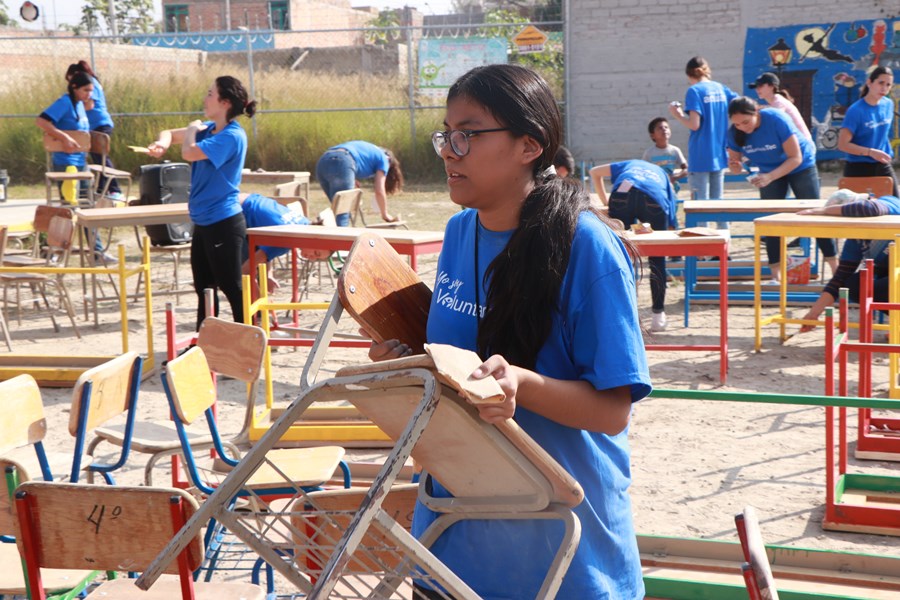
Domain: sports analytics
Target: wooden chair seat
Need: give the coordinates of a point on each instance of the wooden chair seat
(168, 588)
(306, 467)
(109, 171)
(150, 437)
(60, 462)
(12, 581)
(51, 145)
(22, 260)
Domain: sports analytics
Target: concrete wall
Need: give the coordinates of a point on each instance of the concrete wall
(627, 58)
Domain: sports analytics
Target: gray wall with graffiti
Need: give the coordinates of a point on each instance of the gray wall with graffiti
(627, 57)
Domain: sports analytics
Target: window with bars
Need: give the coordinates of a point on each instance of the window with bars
(176, 18)
(278, 11)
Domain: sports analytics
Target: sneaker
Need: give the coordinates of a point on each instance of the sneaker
(116, 196)
(105, 258)
(658, 322)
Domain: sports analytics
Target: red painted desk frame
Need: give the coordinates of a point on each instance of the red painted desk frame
(669, 243)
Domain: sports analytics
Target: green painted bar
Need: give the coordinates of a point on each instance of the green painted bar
(766, 398)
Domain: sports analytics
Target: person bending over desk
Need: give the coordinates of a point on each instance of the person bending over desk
(846, 203)
(262, 211)
(642, 193)
(768, 139)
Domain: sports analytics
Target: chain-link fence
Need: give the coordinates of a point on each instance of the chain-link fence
(315, 88)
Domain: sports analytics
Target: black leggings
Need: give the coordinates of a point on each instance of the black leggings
(216, 252)
(636, 206)
(870, 169)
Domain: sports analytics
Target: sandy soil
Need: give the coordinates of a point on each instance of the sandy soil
(695, 464)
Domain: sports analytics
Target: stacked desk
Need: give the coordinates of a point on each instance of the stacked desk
(785, 225)
(276, 177)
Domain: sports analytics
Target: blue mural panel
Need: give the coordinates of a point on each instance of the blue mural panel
(823, 66)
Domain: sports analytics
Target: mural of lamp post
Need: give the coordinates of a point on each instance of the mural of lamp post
(780, 55)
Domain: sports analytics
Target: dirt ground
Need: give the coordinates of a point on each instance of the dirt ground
(695, 464)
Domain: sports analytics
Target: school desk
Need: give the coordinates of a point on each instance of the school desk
(669, 243)
(814, 226)
(276, 177)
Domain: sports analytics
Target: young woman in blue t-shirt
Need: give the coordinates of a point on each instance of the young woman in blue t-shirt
(537, 282)
(705, 113)
(865, 133)
(341, 167)
(768, 139)
(216, 150)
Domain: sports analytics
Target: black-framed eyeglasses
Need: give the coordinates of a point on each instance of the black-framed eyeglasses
(458, 138)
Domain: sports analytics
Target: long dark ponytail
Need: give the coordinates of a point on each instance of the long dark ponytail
(742, 105)
(873, 75)
(527, 275)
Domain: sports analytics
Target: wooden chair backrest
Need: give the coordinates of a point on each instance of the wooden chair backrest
(233, 349)
(60, 233)
(878, 186)
(82, 138)
(4, 232)
(292, 201)
(100, 144)
(43, 214)
(385, 296)
(755, 552)
(347, 201)
(470, 457)
(327, 218)
(110, 393)
(376, 552)
(109, 528)
(190, 384)
(291, 188)
(23, 422)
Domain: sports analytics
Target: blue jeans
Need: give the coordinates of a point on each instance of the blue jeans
(336, 172)
(634, 206)
(805, 186)
(707, 185)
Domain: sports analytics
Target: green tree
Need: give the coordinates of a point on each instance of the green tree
(5, 19)
(132, 16)
(386, 19)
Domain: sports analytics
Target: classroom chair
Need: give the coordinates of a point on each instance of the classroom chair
(350, 201)
(100, 144)
(117, 529)
(54, 178)
(60, 234)
(756, 570)
(877, 186)
(190, 389)
(3, 327)
(40, 224)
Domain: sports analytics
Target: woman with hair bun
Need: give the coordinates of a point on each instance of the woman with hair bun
(216, 150)
(865, 133)
(705, 113)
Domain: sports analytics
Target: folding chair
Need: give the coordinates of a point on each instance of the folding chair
(877, 186)
(53, 178)
(59, 244)
(3, 327)
(756, 570)
(116, 529)
(100, 144)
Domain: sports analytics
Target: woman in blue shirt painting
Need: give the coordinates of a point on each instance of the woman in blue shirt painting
(555, 320)
(768, 139)
(216, 150)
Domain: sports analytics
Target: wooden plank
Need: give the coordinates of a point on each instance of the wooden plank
(110, 392)
(232, 349)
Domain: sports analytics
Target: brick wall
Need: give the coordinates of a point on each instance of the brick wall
(627, 58)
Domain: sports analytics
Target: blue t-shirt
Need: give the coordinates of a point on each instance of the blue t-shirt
(261, 211)
(99, 115)
(215, 181)
(67, 116)
(650, 179)
(764, 146)
(870, 126)
(369, 158)
(892, 203)
(595, 337)
(706, 146)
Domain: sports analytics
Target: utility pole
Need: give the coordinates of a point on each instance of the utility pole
(113, 25)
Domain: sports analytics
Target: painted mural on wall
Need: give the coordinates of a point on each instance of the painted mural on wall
(824, 66)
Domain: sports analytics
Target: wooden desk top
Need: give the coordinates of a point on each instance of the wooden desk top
(17, 216)
(157, 214)
(658, 238)
(316, 232)
(274, 177)
(745, 206)
(887, 222)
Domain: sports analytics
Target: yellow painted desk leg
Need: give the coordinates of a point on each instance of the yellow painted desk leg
(757, 295)
(782, 287)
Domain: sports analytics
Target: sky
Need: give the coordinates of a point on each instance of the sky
(57, 12)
